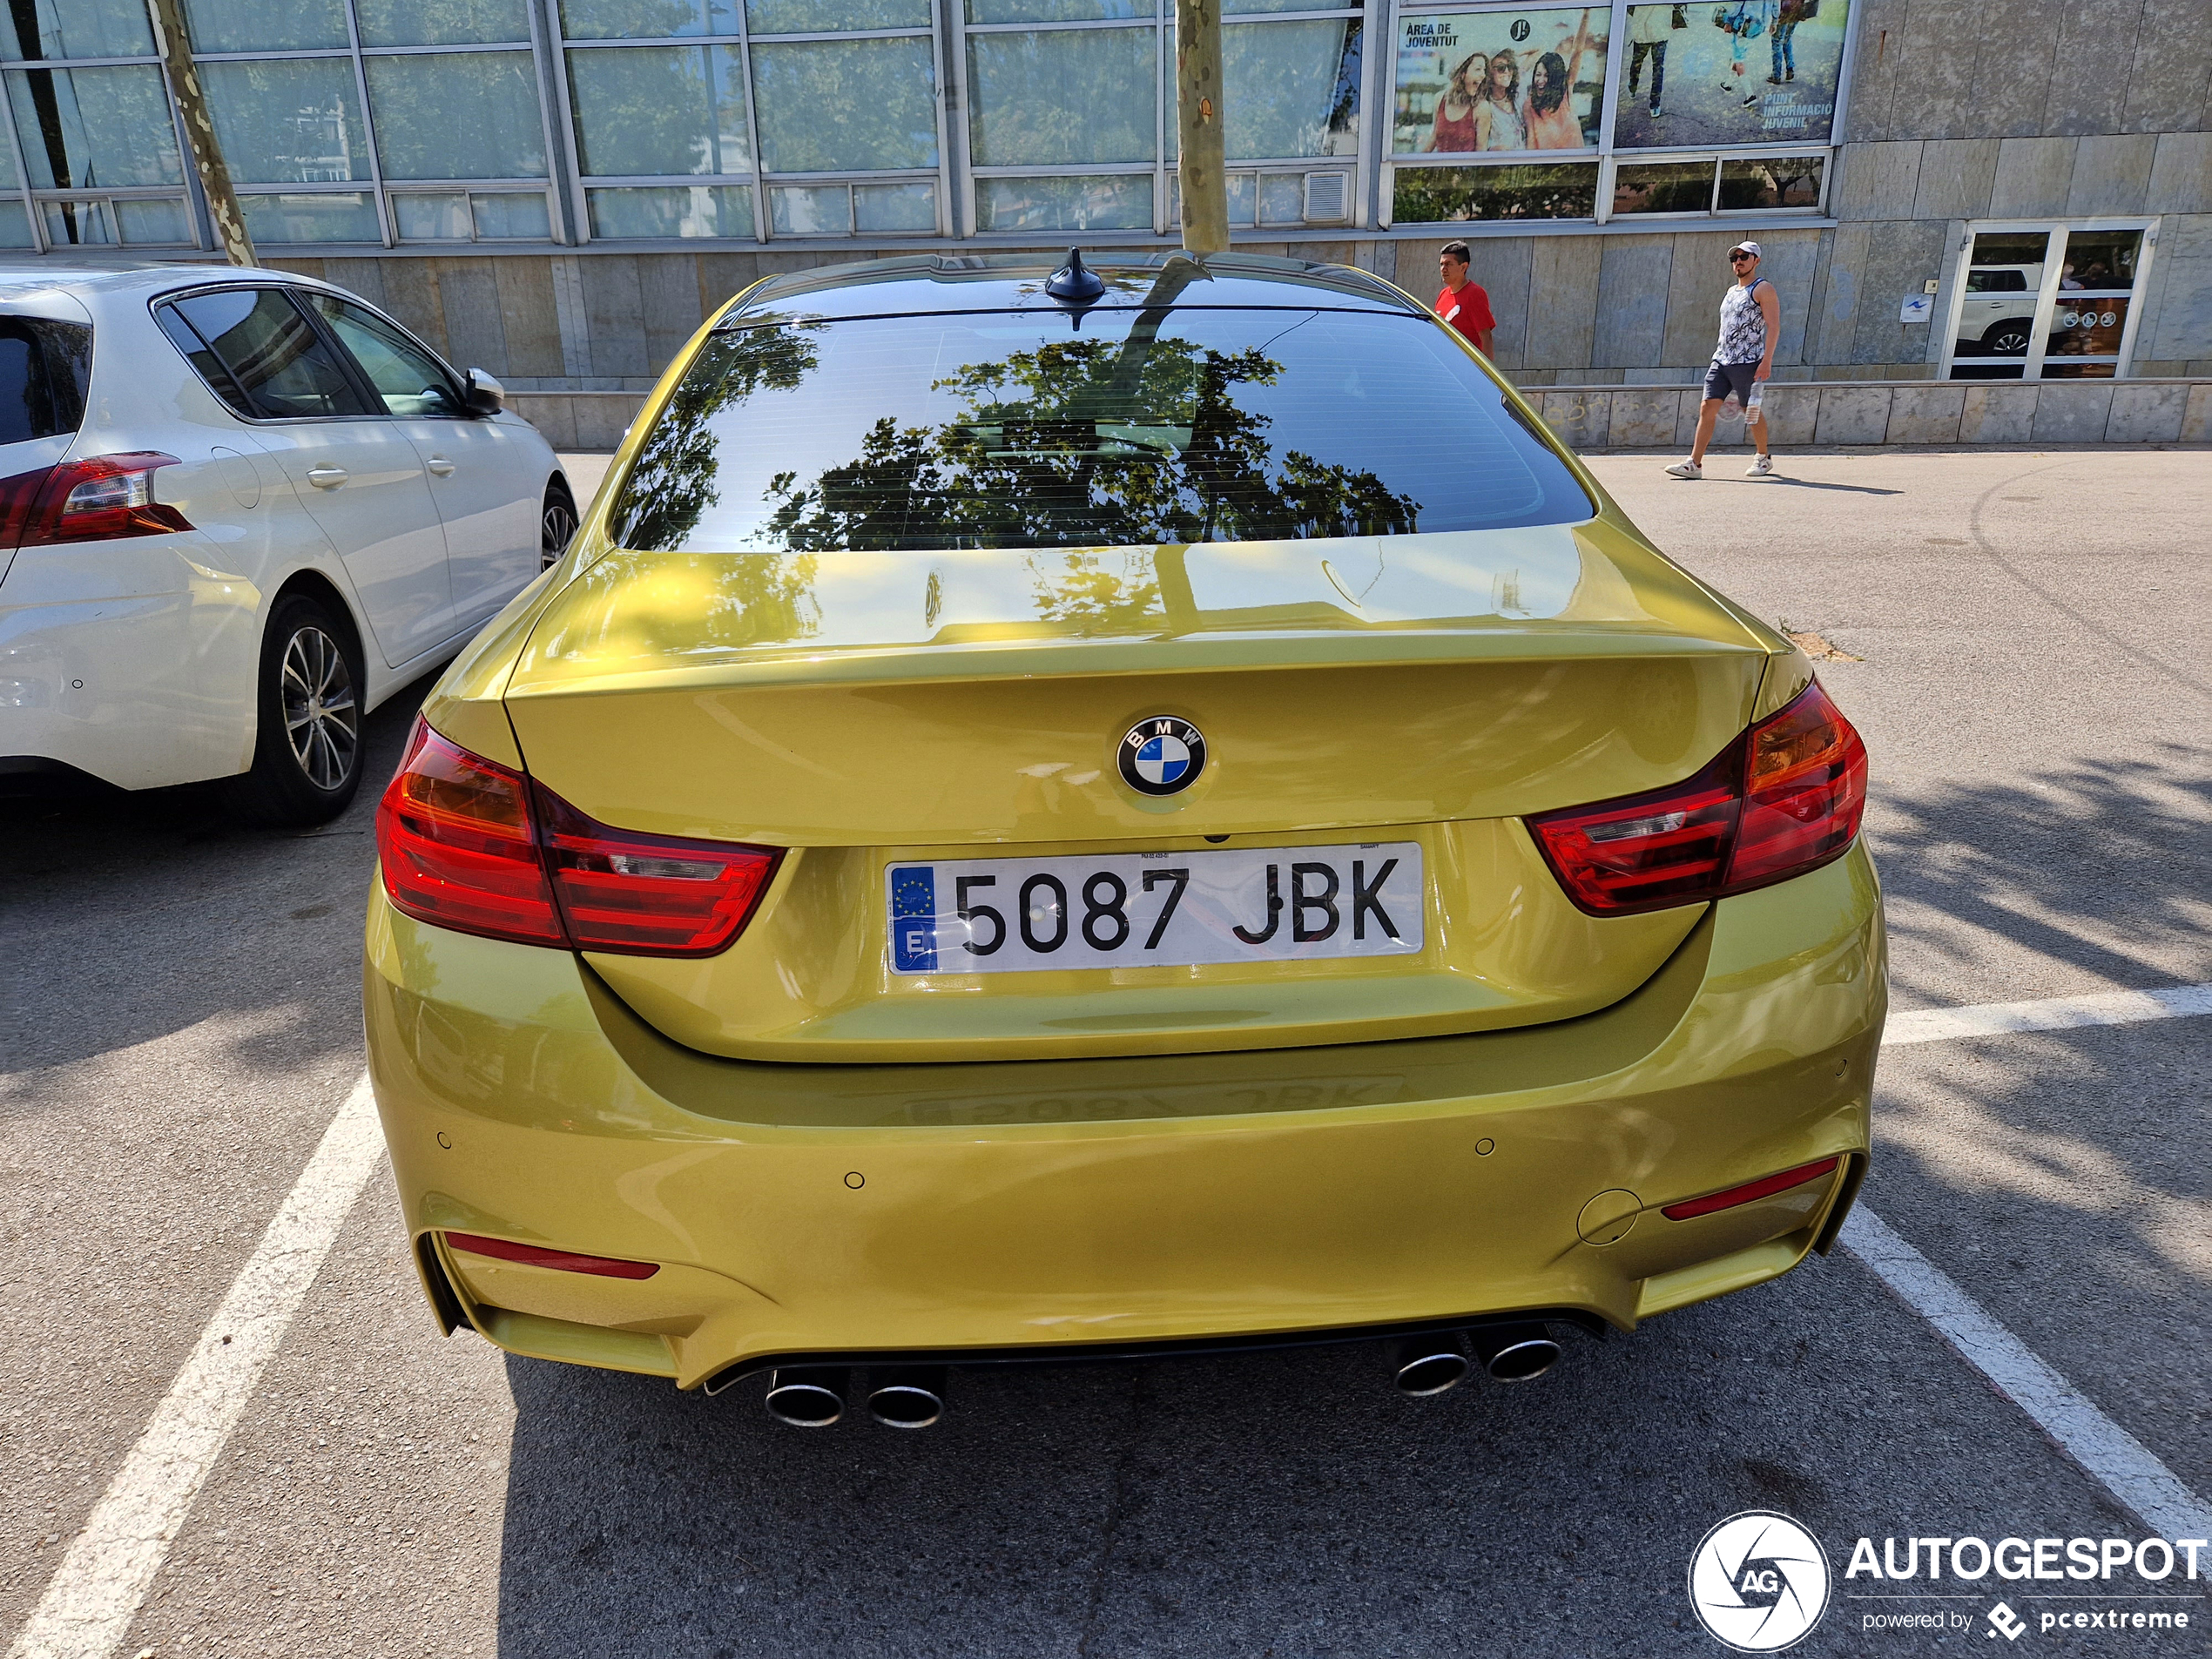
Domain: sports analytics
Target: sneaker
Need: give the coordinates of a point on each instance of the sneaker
(1685, 469)
(1657, 111)
(1752, 100)
(1792, 75)
(1763, 468)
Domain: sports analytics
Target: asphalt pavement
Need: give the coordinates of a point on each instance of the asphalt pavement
(2019, 636)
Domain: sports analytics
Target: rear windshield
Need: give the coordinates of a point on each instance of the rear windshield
(44, 367)
(1117, 429)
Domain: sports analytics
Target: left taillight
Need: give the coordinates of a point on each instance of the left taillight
(468, 844)
(100, 498)
(1785, 797)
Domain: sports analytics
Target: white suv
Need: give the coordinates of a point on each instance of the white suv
(238, 510)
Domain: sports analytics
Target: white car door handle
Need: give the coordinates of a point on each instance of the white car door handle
(327, 477)
(440, 465)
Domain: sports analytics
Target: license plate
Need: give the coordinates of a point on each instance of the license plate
(1179, 909)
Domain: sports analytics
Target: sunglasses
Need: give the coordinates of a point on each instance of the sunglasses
(1738, 259)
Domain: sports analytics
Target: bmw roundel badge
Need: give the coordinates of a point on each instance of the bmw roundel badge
(1161, 755)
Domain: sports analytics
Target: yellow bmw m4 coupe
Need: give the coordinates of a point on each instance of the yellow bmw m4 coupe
(1061, 815)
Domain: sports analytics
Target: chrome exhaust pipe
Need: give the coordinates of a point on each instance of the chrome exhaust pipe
(1514, 1352)
(808, 1397)
(1423, 1366)
(908, 1396)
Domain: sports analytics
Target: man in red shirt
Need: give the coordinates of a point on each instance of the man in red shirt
(1463, 304)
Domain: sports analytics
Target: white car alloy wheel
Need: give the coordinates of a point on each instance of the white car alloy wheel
(556, 525)
(321, 716)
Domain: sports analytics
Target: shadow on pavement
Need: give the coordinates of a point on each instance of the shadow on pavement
(129, 916)
(2105, 867)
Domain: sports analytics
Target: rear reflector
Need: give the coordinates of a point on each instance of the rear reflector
(1785, 797)
(468, 844)
(566, 1261)
(1750, 1192)
(100, 498)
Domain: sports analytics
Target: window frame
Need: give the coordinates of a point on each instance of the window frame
(1607, 153)
(757, 179)
(348, 367)
(1954, 281)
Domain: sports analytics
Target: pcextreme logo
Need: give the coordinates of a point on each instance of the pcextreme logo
(1759, 1582)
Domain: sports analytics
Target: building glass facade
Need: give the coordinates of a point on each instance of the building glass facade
(392, 123)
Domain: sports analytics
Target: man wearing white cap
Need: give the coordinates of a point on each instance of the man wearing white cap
(1750, 323)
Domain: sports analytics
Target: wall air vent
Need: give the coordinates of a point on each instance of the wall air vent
(1328, 197)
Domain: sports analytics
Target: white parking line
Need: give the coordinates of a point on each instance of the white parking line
(2050, 1014)
(2113, 1456)
(103, 1578)
(96, 1592)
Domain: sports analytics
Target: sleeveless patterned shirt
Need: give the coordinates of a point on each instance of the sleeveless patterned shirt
(1743, 325)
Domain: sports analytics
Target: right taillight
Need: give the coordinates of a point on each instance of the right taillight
(1785, 797)
(468, 844)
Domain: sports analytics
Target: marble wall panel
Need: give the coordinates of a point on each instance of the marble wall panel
(1562, 301)
(532, 327)
(1997, 412)
(1645, 420)
(2033, 177)
(2180, 174)
(1581, 418)
(1852, 415)
(1936, 96)
(1877, 180)
(2196, 416)
(2070, 412)
(2013, 69)
(1924, 414)
(475, 328)
(2111, 174)
(667, 289)
(1956, 177)
(2167, 90)
(2096, 49)
(1632, 286)
(615, 309)
(2146, 414)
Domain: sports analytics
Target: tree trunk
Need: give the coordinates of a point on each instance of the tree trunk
(175, 46)
(1197, 110)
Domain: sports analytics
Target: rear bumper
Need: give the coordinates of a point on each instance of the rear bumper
(1076, 1208)
(128, 661)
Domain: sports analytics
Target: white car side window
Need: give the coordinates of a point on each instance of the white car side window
(409, 380)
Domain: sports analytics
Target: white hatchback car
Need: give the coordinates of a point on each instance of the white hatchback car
(238, 510)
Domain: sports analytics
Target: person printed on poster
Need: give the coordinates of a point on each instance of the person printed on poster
(1736, 71)
(1499, 81)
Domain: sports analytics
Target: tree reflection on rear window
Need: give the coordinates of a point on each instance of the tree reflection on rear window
(1121, 427)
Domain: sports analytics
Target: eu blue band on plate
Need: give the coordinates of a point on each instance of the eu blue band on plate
(913, 919)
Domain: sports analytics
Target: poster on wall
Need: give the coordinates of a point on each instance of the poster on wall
(1731, 72)
(1477, 81)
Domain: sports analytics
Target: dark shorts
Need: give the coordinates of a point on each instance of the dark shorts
(1724, 378)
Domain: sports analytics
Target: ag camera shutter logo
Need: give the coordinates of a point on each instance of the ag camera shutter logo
(1759, 1582)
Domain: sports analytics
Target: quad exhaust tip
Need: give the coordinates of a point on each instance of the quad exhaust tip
(1514, 1352)
(1426, 1366)
(815, 1396)
(809, 1397)
(908, 1397)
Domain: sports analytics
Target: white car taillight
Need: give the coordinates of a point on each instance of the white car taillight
(99, 498)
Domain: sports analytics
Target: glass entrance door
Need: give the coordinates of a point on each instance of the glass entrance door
(2045, 304)
(2087, 324)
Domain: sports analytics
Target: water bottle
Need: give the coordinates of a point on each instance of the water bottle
(1752, 411)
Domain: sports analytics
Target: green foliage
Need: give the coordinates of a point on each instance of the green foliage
(1086, 443)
